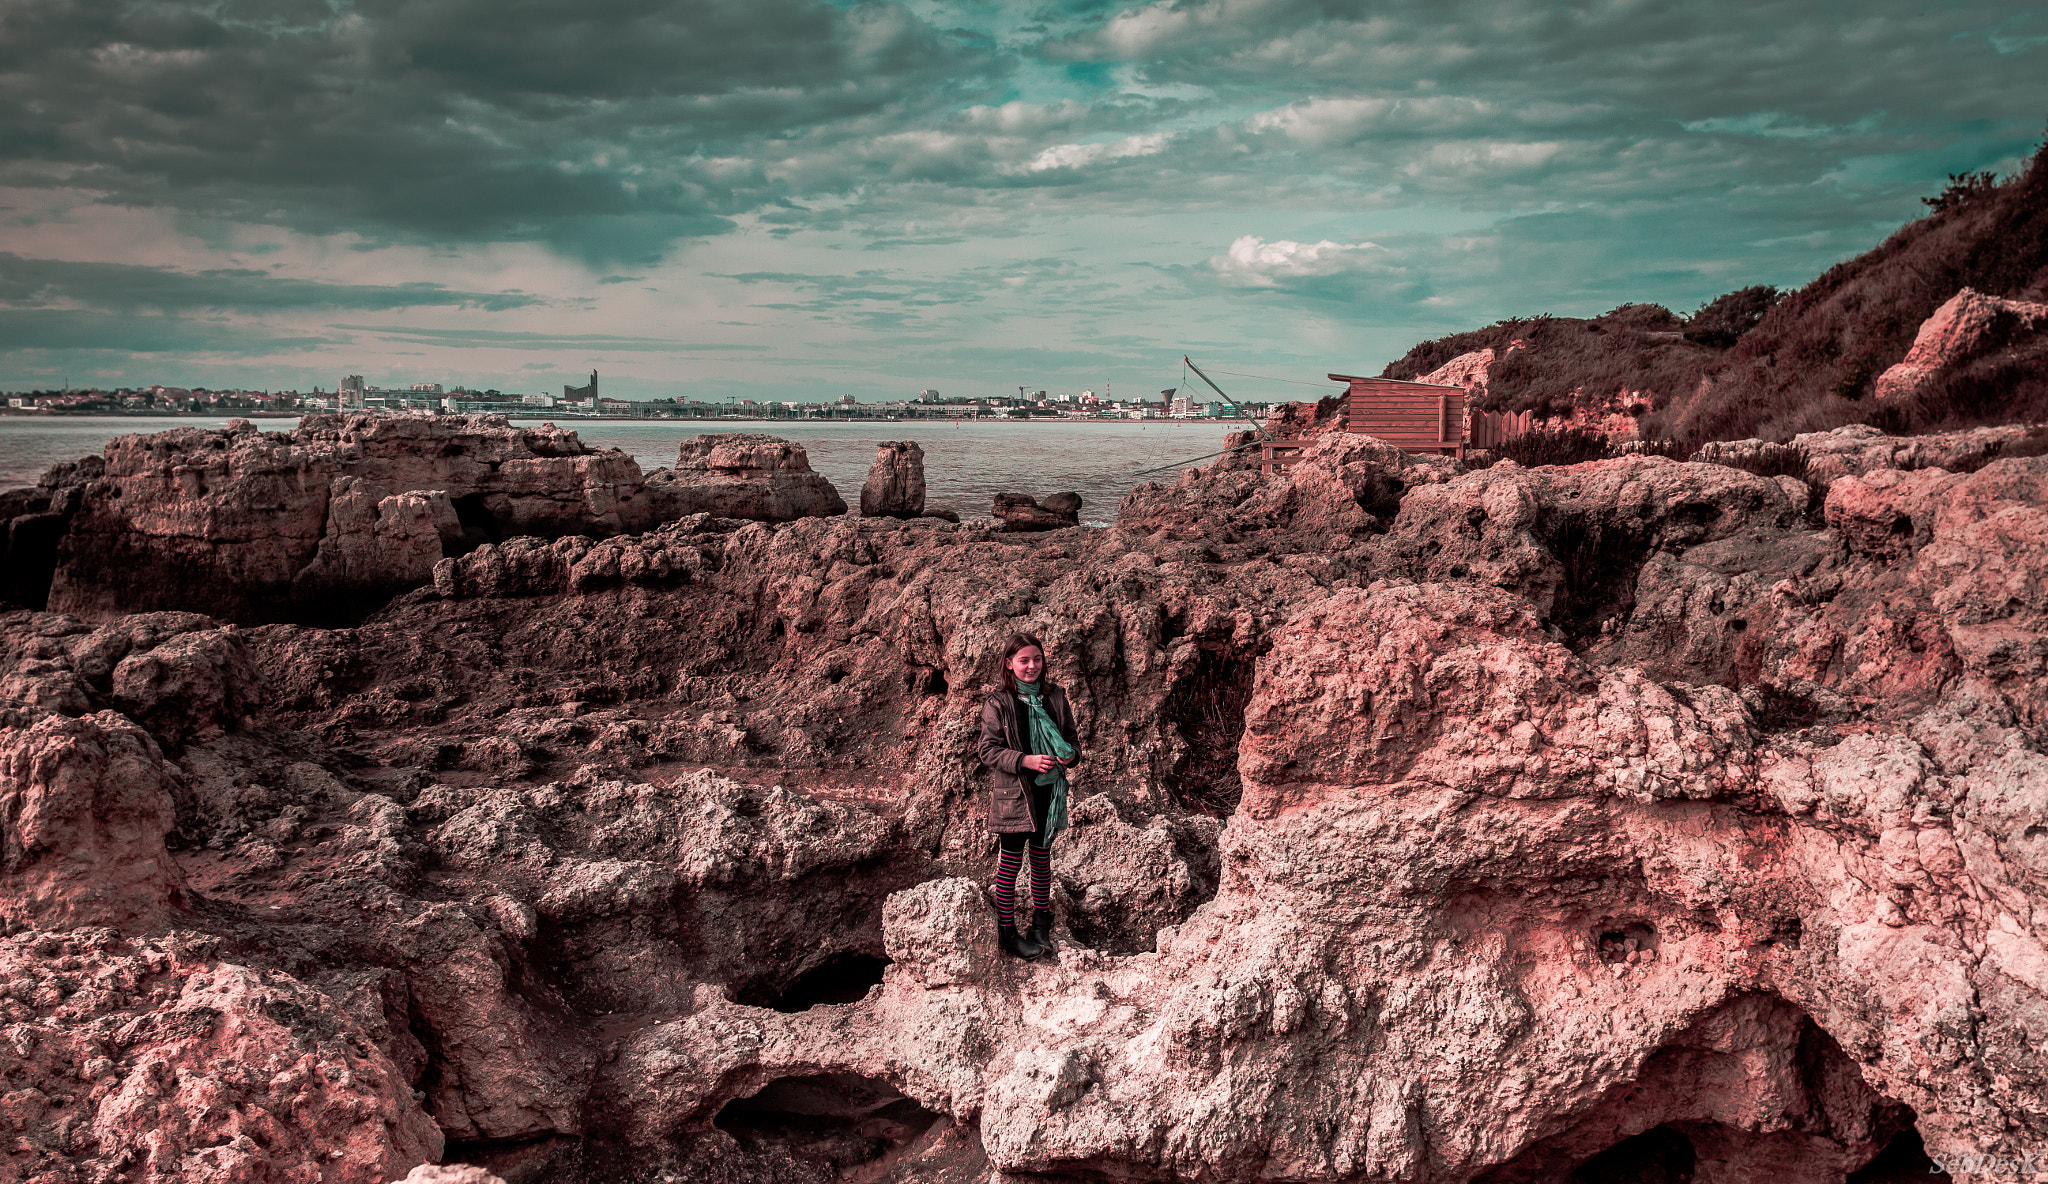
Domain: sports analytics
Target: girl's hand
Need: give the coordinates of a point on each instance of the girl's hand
(1038, 764)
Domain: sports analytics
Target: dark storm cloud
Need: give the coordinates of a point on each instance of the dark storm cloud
(40, 329)
(1503, 106)
(613, 129)
(128, 286)
(1197, 168)
(508, 339)
(609, 129)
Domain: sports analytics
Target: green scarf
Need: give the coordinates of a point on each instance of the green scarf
(1043, 735)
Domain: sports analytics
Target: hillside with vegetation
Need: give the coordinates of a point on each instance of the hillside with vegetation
(1756, 362)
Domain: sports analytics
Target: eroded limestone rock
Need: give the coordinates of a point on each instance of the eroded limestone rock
(317, 522)
(895, 484)
(743, 475)
(1430, 825)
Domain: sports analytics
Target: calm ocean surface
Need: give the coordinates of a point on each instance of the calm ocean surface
(965, 465)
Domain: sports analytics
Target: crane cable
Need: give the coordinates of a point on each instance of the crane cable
(1260, 435)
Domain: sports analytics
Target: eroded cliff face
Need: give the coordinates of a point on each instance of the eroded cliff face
(325, 523)
(1613, 820)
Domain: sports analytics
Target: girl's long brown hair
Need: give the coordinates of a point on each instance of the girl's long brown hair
(1017, 642)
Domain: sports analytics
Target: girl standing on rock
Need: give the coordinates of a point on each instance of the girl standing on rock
(1028, 740)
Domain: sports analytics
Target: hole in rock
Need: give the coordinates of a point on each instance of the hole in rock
(1738, 624)
(1659, 1155)
(1904, 1158)
(835, 675)
(478, 526)
(1688, 523)
(1206, 706)
(1600, 564)
(1629, 941)
(1704, 1086)
(842, 1120)
(922, 681)
(845, 978)
(1780, 710)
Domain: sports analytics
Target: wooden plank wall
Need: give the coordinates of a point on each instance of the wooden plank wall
(1409, 415)
(1491, 429)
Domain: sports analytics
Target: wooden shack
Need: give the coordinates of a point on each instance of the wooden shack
(1412, 416)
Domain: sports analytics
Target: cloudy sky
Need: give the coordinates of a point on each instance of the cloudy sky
(795, 199)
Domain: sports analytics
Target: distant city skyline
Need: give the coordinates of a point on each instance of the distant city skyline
(794, 199)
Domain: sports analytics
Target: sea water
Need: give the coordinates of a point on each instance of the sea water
(966, 462)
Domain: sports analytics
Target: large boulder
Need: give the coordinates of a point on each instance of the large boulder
(1965, 327)
(895, 485)
(1022, 512)
(743, 475)
(313, 524)
(85, 804)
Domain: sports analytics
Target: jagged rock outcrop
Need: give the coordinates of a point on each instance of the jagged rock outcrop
(1022, 512)
(155, 1059)
(1859, 448)
(743, 475)
(1430, 826)
(324, 521)
(1341, 485)
(35, 521)
(1467, 370)
(1965, 327)
(895, 484)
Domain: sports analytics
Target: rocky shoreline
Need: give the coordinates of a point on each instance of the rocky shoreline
(378, 796)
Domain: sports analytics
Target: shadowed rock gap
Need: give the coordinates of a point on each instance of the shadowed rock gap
(1689, 1111)
(1600, 562)
(1659, 1155)
(1904, 1160)
(479, 525)
(1206, 709)
(845, 978)
(841, 1121)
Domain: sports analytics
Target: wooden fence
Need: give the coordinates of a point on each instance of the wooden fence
(1491, 429)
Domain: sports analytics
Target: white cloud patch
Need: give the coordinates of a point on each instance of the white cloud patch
(1080, 156)
(1254, 262)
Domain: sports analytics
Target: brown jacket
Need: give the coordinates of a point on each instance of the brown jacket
(1005, 744)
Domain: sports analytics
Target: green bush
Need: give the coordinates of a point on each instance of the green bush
(1724, 319)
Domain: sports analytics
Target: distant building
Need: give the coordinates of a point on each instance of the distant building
(927, 396)
(351, 392)
(540, 400)
(582, 392)
(426, 388)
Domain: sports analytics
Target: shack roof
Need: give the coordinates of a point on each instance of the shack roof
(1434, 386)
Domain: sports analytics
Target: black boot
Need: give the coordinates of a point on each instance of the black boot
(1017, 944)
(1041, 929)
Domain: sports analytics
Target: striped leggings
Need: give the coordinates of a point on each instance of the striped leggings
(1007, 864)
